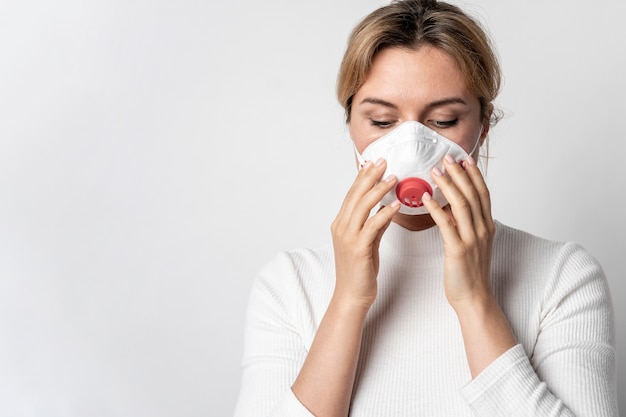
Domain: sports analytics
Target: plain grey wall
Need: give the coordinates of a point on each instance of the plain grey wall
(154, 154)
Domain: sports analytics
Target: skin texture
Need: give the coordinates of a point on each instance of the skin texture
(423, 85)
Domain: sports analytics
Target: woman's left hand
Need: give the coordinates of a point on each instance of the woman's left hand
(467, 229)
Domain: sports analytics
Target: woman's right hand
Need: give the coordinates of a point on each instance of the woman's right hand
(356, 235)
(326, 380)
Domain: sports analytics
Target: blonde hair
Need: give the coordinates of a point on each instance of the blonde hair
(411, 23)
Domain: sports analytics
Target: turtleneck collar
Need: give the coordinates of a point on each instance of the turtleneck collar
(400, 242)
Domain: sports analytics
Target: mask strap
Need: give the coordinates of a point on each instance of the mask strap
(358, 155)
(477, 141)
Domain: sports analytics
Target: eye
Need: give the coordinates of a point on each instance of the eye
(383, 124)
(442, 124)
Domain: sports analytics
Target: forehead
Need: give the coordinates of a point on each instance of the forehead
(427, 73)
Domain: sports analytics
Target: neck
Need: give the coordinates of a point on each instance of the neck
(414, 223)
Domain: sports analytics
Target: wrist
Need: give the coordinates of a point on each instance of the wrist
(483, 321)
(477, 306)
(486, 331)
(349, 306)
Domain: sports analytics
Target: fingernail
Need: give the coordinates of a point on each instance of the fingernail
(470, 160)
(389, 178)
(379, 162)
(426, 197)
(395, 204)
(449, 158)
(437, 172)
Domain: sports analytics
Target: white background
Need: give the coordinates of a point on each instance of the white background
(155, 154)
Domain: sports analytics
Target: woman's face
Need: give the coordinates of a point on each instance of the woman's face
(423, 85)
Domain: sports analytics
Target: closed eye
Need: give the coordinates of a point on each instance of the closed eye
(383, 124)
(442, 124)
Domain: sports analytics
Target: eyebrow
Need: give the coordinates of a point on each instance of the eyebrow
(438, 103)
(378, 101)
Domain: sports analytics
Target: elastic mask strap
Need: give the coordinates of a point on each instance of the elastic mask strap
(477, 141)
(358, 155)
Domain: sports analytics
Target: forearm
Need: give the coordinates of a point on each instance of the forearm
(325, 382)
(486, 333)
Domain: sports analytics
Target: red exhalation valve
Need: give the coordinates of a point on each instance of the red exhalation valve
(410, 190)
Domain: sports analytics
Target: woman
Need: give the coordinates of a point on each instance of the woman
(428, 307)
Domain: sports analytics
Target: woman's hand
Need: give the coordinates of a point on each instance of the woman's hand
(356, 235)
(326, 380)
(467, 229)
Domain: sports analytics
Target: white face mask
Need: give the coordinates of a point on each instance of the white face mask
(412, 150)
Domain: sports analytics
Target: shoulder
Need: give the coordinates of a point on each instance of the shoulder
(555, 266)
(296, 278)
(516, 241)
(542, 283)
(520, 244)
(302, 265)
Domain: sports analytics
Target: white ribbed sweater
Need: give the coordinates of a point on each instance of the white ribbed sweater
(413, 362)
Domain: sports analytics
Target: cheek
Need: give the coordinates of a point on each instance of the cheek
(362, 135)
(466, 138)
(464, 142)
(357, 137)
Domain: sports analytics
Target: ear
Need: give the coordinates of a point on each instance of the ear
(486, 125)
(485, 131)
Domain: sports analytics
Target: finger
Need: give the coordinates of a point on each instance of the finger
(455, 186)
(444, 220)
(376, 225)
(475, 189)
(367, 176)
(468, 200)
(364, 177)
(366, 191)
(476, 177)
(368, 201)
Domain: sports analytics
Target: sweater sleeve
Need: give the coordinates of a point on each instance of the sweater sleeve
(570, 371)
(273, 349)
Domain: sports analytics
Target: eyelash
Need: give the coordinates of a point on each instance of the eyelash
(442, 124)
(383, 124)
